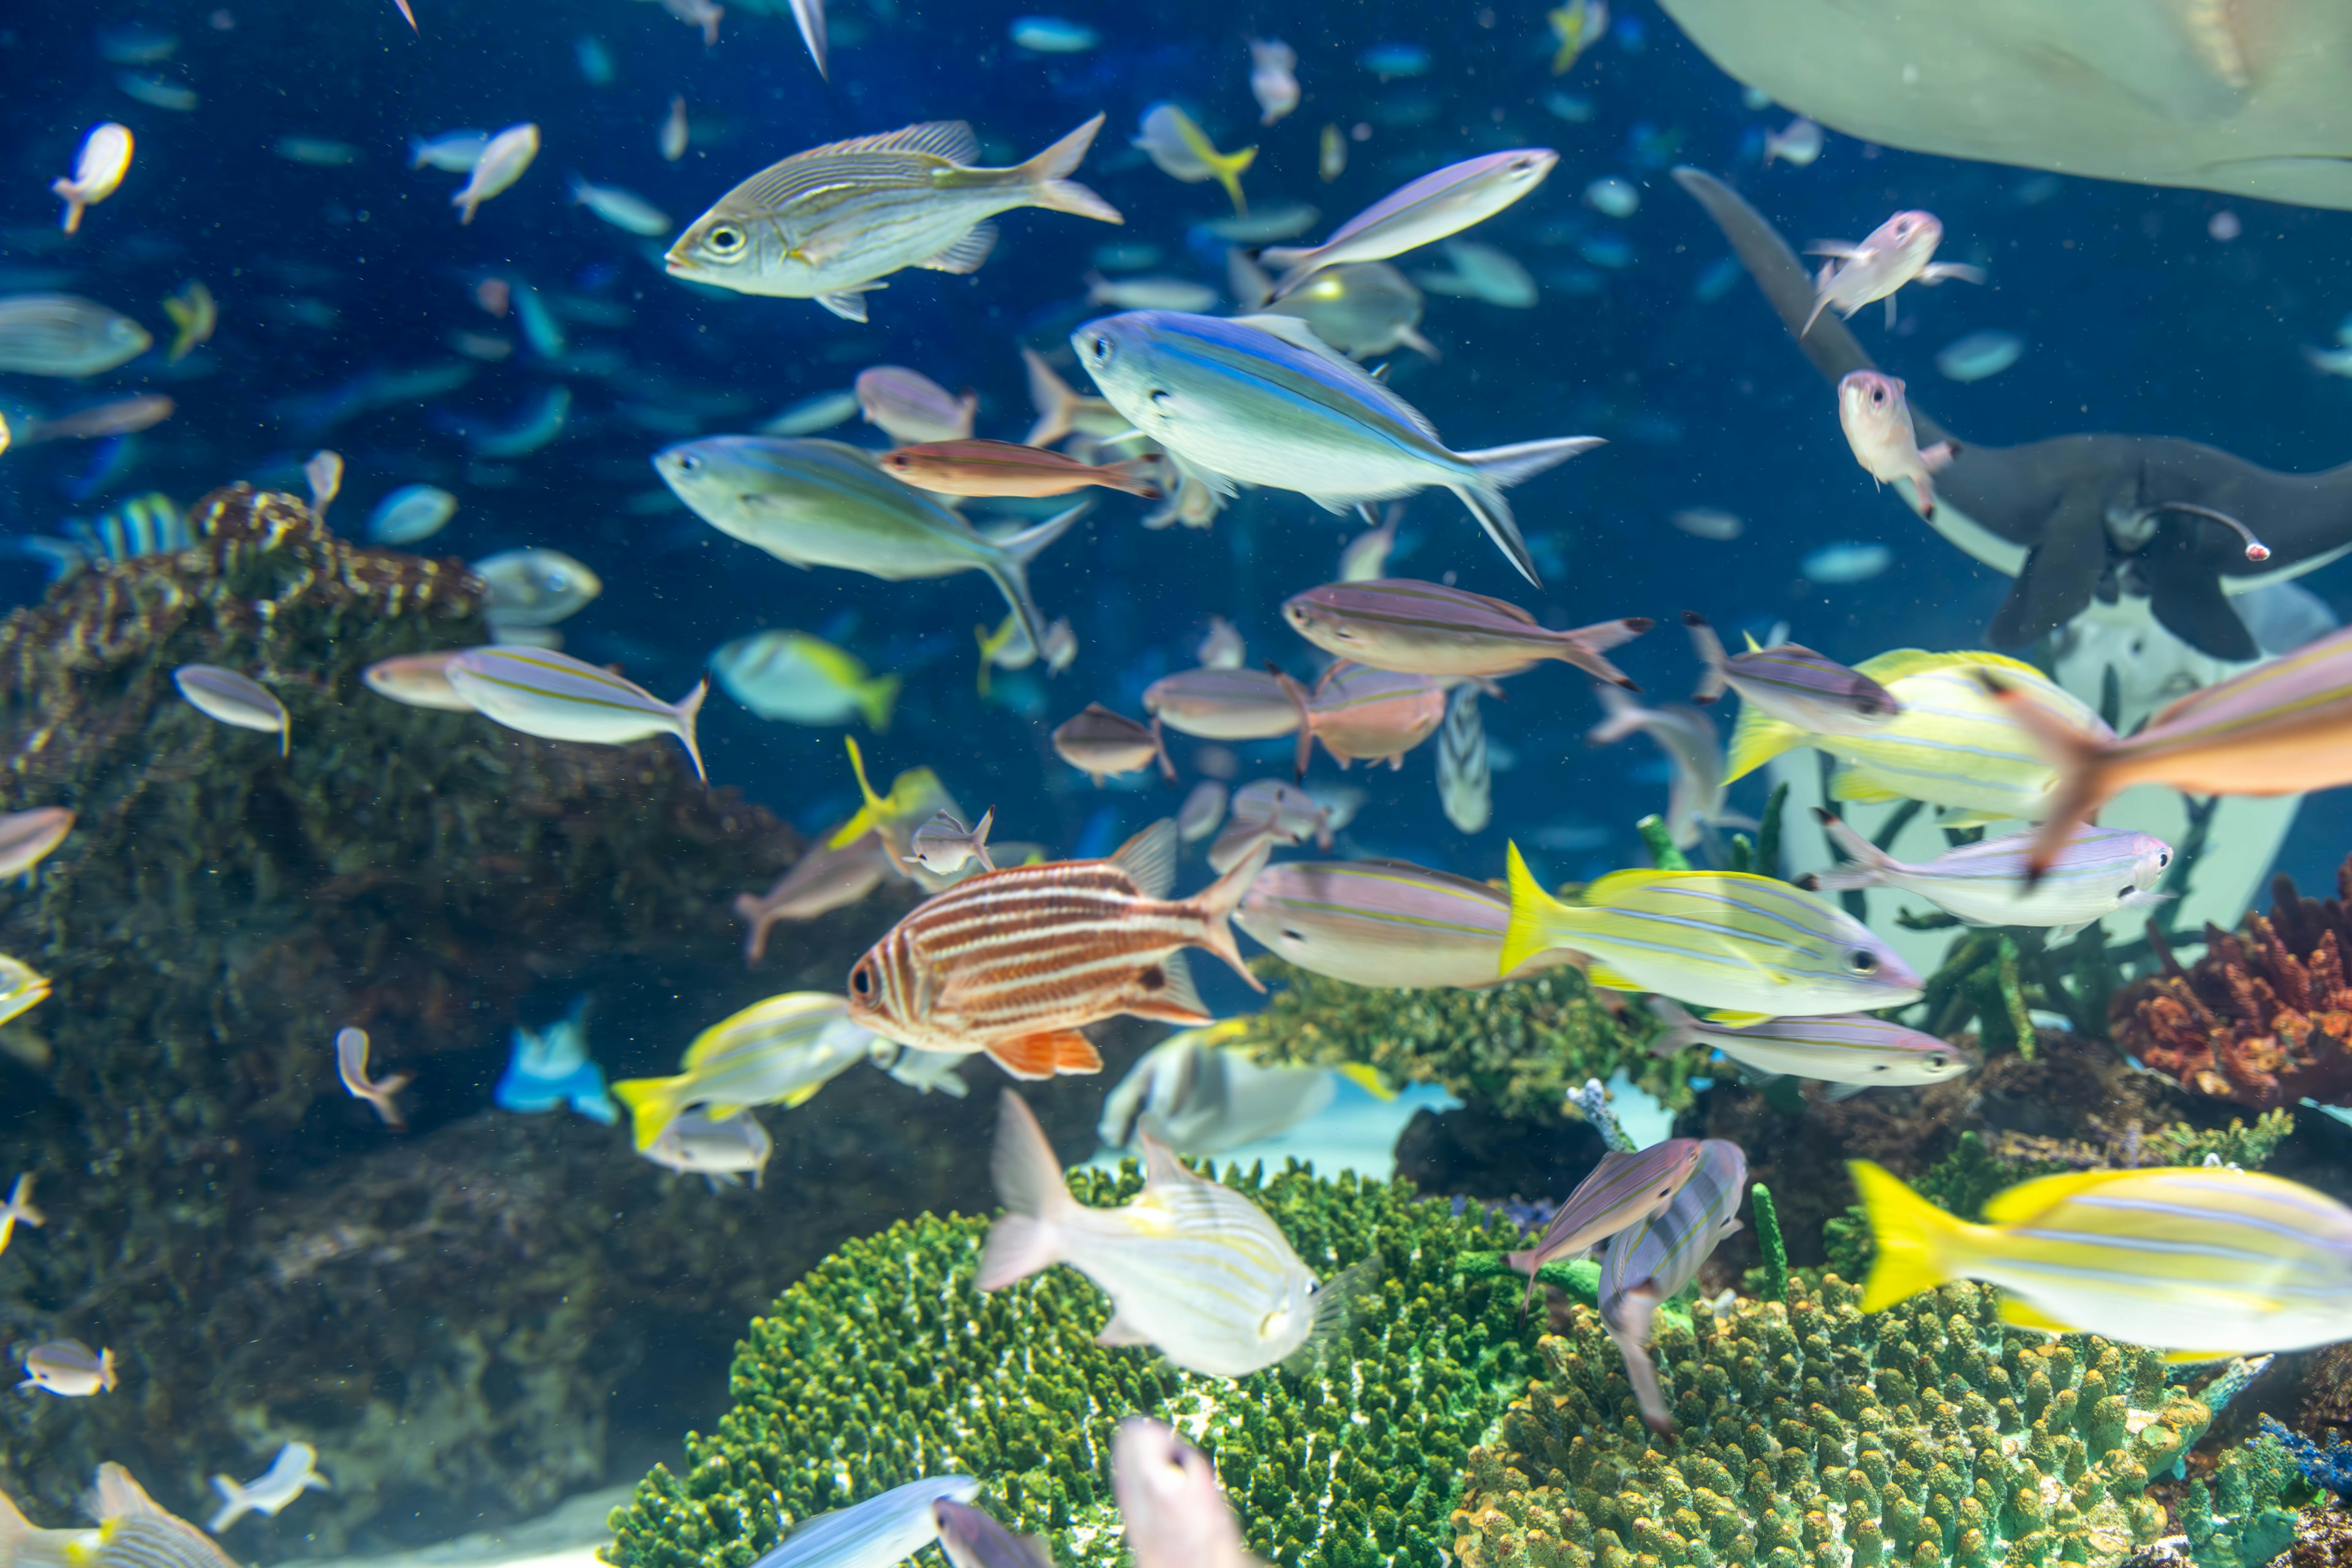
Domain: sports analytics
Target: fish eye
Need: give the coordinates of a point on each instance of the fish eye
(1878, 395)
(1935, 1063)
(1159, 400)
(2163, 858)
(1861, 961)
(688, 463)
(861, 980)
(724, 240)
(1101, 346)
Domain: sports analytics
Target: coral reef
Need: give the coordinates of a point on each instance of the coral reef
(1811, 1434)
(882, 1365)
(2264, 1017)
(2239, 1520)
(2328, 1468)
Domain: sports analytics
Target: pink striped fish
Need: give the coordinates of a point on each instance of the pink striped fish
(1014, 962)
(1624, 1190)
(1427, 628)
(1356, 711)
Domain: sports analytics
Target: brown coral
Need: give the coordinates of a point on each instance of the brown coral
(2263, 1018)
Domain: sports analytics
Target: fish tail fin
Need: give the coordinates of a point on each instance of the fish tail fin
(1871, 863)
(1682, 1029)
(1047, 177)
(1335, 1311)
(1583, 648)
(1917, 1242)
(869, 814)
(234, 1504)
(2085, 779)
(1028, 1236)
(1217, 901)
(1756, 739)
(653, 1103)
(980, 635)
(1052, 397)
(1534, 915)
(1229, 167)
(1497, 468)
(1639, 1306)
(980, 839)
(1710, 648)
(878, 695)
(1009, 567)
(71, 219)
(1297, 694)
(686, 708)
(1625, 716)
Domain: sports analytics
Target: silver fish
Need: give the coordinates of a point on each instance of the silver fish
(352, 1066)
(556, 697)
(1102, 745)
(1363, 309)
(1428, 209)
(289, 1475)
(325, 473)
(1261, 400)
(1688, 737)
(1219, 704)
(1849, 1051)
(1382, 923)
(910, 407)
(718, 1149)
(625, 210)
(1429, 628)
(1366, 557)
(1625, 1189)
(135, 1531)
(19, 1210)
(233, 699)
(1464, 787)
(1222, 648)
(1202, 809)
(821, 880)
(1899, 251)
(535, 587)
(504, 159)
(944, 845)
(1648, 1264)
(876, 1534)
(66, 335)
(2095, 872)
(821, 503)
(419, 680)
(70, 1369)
(829, 224)
(411, 513)
(1198, 1098)
(971, 1538)
(1175, 1514)
(1792, 683)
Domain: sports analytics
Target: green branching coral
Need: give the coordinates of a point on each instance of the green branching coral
(883, 1365)
(1811, 1435)
(2241, 1520)
(1518, 1046)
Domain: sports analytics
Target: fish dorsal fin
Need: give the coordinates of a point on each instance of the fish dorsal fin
(1150, 858)
(1161, 1169)
(2029, 1199)
(1295, 331)
(1298, 335)
(950, 138)
(2019, 1314)
(1753, 645)
(1896, 663)
(1756, 739)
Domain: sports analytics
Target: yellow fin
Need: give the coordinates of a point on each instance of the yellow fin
(2018, 1313)
(1895, 663)
(2030, 1200)
(869, 815)
(2186, 1358)
(1226, 167)
(1860, 788)
(653, 1104)
(1366, 1077)
(1756, 739)
(1730, 1020)
(1917, 1240)
(1534, 913)
(1608, 979)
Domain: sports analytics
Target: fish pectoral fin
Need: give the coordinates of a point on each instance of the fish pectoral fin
(967, 253)
(1120, 1332)
(1608, 979)
(1042, 1055)
(2018, 1313)
(1843, 1090)
(849, 304)
(2186, 1358)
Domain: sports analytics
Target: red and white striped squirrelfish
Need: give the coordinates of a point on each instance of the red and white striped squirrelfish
(1014, 963)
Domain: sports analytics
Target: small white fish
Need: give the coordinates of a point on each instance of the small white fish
(1979, 356)
(157, 91)
(556, 697)
(1482, 272)
(1877, 423)
(451, 152)
(672, 135)
(944, 845)
(819, 411)
(2333, 362)
(1365, 558)
(1200, 1098)
(2097, 872)
(1899, 251)
(1849, 1051)
(1149, 294)
(70, 1369)
(1052, 35)
(19, 1210)
(1272, 83)
(1706, 523)
(535, 587)
(719, 1149)
(922, 1071)
(104, 158)
(28, 836)
(1613, 196)
(1222, 648)
(506, 157)
(1847, 560)
(625, 210)
(1797, 143)
(419, 680)
(232, 698)
(411, 513)
(1465, 787)
(352, 1066)
(325, 473)
(699, 14)
(289, 1475)
(1202, 809)
(911, 407)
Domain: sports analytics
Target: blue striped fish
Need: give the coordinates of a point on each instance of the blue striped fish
(2095, 872)
(1649, 1264)
(1850, 1051)
(556, 697)
(151, 524)
(876, 1534)
(1627, 1188)
(1750, 947)
(1192, 1268)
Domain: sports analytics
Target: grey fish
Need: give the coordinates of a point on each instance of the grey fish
(1217, 704)
(28, 836)
(1465, 787)
(535, 587)
(1809, 689)
(69, 1368)
(1201, 811)
(944, 845)
(1382, 923)
(1428, 628)
(1363, 309)
(874, 1533)
(1624, 1190)
(1261, 400)
(66, 335)
(716, 1148)
(1101, 744)
(822, 503)
(1444, 202)
(1688, 738)
(971, 1539)
(233, 699)
(1849, 1051)
(830, 222)
(1200, 1098)
(821, 880)
(1649, 1263)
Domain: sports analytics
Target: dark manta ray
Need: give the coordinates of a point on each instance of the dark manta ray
(2078, 517)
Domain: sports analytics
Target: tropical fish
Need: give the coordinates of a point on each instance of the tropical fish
(1625, 1188)
(1272, 81)
(66, 335)
(1269, 813)
(670, 136)
(1383, 923)
(820, 411)
(822, 880)
(1707, 523)
(21, 990)
(1175, 1514)
(1183, 151)
(971, 1539)
(2097, 872)
(802, 680)
(779, 1051)
(922, 1071)
(411, 513)
(1428, 628)
(1261, 400)
(1749, 946)
(910, 407)
(69, 1369)
(135, 1531)
(699, 14)
(1365, 558)
(1222, 649)
(1358, 711)
(451, 152)
(822, 503)
(116, 416)
(419, 680)
(1877, 423)
(1850, 1051)
(147, 524)
(1613, 197)
(1579, 24)
(2201, 1260)
(1900, 250)
(1003, 469)
(1149, 294)
(1792, 684)
(1981, 356)
(1952, 744)
(1202, 809)
(1797, 143)
(158, 91)
(1420, 213)
(875, 1533)
(915, 796)
(28, 836)
(944, 845)
(98, 168)
(1193, 1269)
(1103, 744)
(232, 698)
(352, 1066)
(540, 422)
(829, 224)
(2281, 728)
(1647, 1264)
(289, 1475)
(535, 587)
(1052, 35)
(555, 697)
(1695, 803)
(19, 1210)
(1465, 787)
(1196, 1097)
(324, 470)
(1009, 647)
(1482, 272)
(551, 1067)
(1361, 308)
(315, 152)
(625, 210)
(504, 157)
(1847, 560)
(1061, 410)
(1220, 704)
(718, 1149)
(1014, 963)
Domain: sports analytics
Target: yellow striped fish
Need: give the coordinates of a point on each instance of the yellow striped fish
(1849, 1051)
(1750, 947)
(915, 796)
(136, 1532)
(556, 697)
(776, 1052)
(1952, 745)
(2203, 1261)
(1192, 1268)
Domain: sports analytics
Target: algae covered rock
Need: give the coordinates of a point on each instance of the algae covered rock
(884, 1365)
(1811, 1434)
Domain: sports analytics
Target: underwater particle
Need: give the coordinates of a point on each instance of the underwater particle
(98, 168)
(289, 1475)
(504, 159)
(1846, 562)
(27, 838)
(2224, 226)
(556, 697)
(779, 1051)
(69, 1369)
(352, 1066)
(228, 698)
(1052, 35)
(18, 1209)
(1978, 356)
(719, 1149)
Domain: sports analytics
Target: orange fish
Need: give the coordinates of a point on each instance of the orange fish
(1358, 711)
(978, 468)
(1014, 963)
(124, 416)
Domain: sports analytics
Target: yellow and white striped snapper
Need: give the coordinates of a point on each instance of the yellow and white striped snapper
(556, 697)
(1748, 946)
(2200, 1260)
(1427, 628)
(1214, 703)
(1192, 1268)
(1952, 745)
(1358, 711)
(2095, 872)
(136, 1532)
(1014, 962)
(1849, 1051)
(829, 224)
(779, 1051)
(1627, 1187)
(1384, 923)
(1794, 684)
(1646, 1264)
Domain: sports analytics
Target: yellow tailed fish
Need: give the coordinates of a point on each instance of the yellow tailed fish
(916, 796)
(776, 1052)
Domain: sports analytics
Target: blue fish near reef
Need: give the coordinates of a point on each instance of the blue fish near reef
(875, 1533)
(550, 1067)
(144, 525)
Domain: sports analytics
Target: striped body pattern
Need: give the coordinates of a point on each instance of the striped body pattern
(2097, 871)
(1428, 628)
(1794, 684)
(1650, 1261)
(1627, 1188)
(66, 335)
(2280, 728)
(556, 697)
(1221, 704)
(1854, 1050)
(1379, 923)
